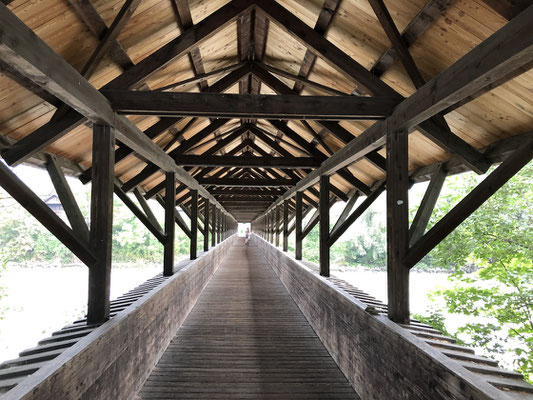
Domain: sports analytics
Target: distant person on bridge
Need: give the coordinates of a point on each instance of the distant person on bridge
(247, 237)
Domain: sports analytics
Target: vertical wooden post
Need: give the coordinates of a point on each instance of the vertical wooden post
(218, 225)
(324, 225)
(298, 227)
(170, 223)
(206, 225)
(276, 224)
(397, 226)
(194, 224)
(103, 161)
(286, 225)
(213, 226)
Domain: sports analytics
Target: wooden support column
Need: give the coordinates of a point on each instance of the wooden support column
(397, 226)
(101, 223)
(276, 224)
(214, 226)
(324, 225)
(194, 224)
(206, 225)
(298, 226)
(219, 215)
(286, 225)
(170, 218)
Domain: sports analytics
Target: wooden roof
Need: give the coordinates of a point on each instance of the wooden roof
(274, 56)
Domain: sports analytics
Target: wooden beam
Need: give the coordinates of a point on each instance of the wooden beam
(194, 224)
(146, 208)
(101, 224)
(36, 207)
(325, 17)
(415, 29)
(247, 162)
(206, 225)
(68, 201)
(423, 214)
(214, 105)
(170, 218)
(506, 50)
(232, 182)
(324, 226)
(214, 227)
(277, 220)
(321, 46)
(508, 8)
(339, 228)
(286, 225)
(154, 229)
(397, 226)
(298, 227)
(345, 213)
(247, 192)
(469, 204)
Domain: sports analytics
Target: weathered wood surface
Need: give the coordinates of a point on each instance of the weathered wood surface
(383, 360)
(113, 361)
(246, 338)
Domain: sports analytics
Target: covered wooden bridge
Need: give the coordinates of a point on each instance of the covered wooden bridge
(266, 112)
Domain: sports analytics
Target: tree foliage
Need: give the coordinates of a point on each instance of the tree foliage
(499, 295)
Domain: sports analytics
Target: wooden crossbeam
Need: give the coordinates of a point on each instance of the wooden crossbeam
(249, 106)
(33, 58)
(469, 204)
(345, 211)
(423, 214)
(155, 229)
(247, 162)
(508, 49)
(231, 182)
(36, 207)
(341, 227)
(68, 201)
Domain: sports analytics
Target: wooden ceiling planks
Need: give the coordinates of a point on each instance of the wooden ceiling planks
(503, 112)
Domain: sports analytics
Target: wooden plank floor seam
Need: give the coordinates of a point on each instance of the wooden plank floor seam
(246, 339)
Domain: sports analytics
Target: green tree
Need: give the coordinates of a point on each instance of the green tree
(497, 240)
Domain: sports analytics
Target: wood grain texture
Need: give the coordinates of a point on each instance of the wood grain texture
(114, 360)
(383, 360)
(245, 339)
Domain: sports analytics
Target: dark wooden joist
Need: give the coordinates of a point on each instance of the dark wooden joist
(436, 128)
(101, 232)
(508, 8)
(505, 51)
(213, 226)
(325, 17)
(298, 226)
(345, 212)
(194, 225)
(340, 132)
(324, 258)
(146, 208)
(397, 226)
(247, 192)
(88, 13)
(348, 220)
(243, 199)
(247, 162)
(142, 70)
(170, 218)
(213, 105)
(36, 207)
(321, 46)
(33, 58)
(415, 29)
(469, 204)
(68, 201)
(206, 210)
(231, 182)
(423, 214)
(152, 168)
(155, 229)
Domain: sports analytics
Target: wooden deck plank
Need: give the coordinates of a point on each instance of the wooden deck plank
(246, 338)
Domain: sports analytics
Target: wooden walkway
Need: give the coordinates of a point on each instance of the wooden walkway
(245, 339)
